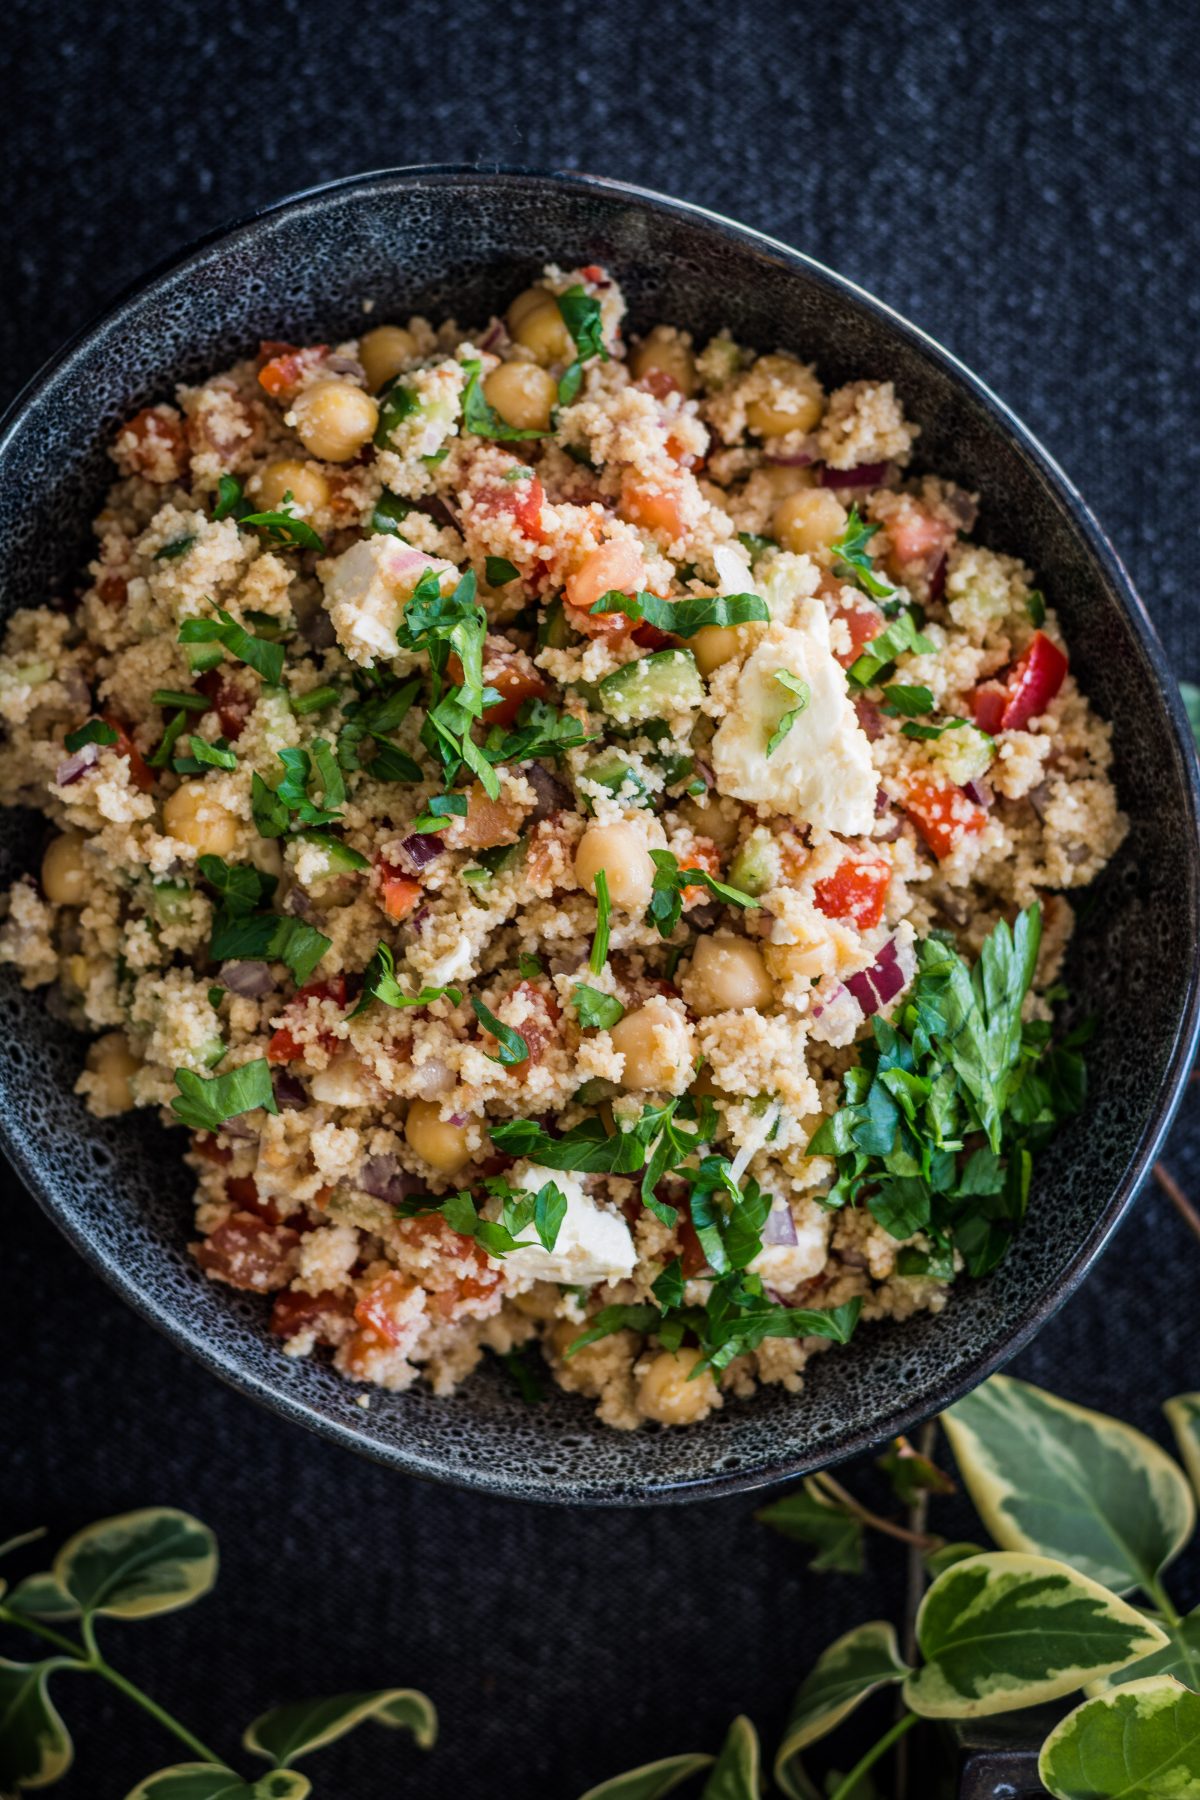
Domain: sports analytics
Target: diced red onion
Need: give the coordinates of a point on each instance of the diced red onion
(76, 765)
(891, 831)
(794, 459)
(937, 578)
(883, 802)
(316, 628)
(239, 1128)
(494, 336)
(874, 987)
(780, 1227)
(419, 850)
(298, 902)
(704, 916)
(871, 720)
(383, 1177)
(291, 1095)
(1039, 798)
(346, 365)
(419, 919)
(458, 1118)
(250, 980)
(865, 475)
(979, 792)
(704, 771)
(553, 794)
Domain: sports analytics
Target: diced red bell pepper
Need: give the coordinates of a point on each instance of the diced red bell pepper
(855, 891)
(398, 893)
(284, 364)
(377, 1308)
(1029, 687)
(942, 813)
(988, 705)
(702, 855)
(142, 776)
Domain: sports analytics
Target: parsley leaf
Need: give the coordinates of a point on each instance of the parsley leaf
(519, 1209)
(499, 571)
(177, 547)
(688, 616)
(803, 693)
(441, 625)
(897, 638)
(229, 497)
(379, 983)
(284, 528)
(586, 1148)
(268, 937)
(581, 315)
(852, 562)
(389, 514)
(596, 1010)
(96, 731)
(911, 729)
(396, 403)
(540, 730)
(756, 545)
(265, 658)
(512, 1046)
(480, 417)
(666, 897)
(275, 809)
(599, 951)
(160, 756)
(1035, 606)
(907, 702)
(206, 1103)
(205, 756)
(240, 887)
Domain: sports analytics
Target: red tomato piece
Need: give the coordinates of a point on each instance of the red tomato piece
(513, 676)
(231, 702)
(113, 589)
(1034, 681)
(283, 1046)
(292, 1313)
(249, 1253)
(538, 1027)
(864, 623)
(124, 746)
(522, 500)
(942, 813)
(285, 364)
(915, 534)
(856, 891)
(398, 893)
(988, 704)
(153, 444)
(205, 1145)
(649, 636)
(377, 1309)
(703, 855)
(242, 1190)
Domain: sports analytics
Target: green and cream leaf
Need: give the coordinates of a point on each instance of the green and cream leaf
(211, 1781)
(735, 1774)
(288, 1732)
(1139, 1742)
(42, 1597)
(1183, 1416)
(1059, 1480)
(1005, 1630)
(1179, 1658)
(650, 1781)
(854, 1666)
(139, 1563)
(35, 1746)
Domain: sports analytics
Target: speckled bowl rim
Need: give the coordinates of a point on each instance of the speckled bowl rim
(151, 1305)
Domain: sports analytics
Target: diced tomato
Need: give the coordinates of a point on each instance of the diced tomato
(659, 383)
(283, 365)
(449, 1301)
(242, 1191)
(232, 702)
(916, 535)
(988, 705)
(521, 500)
(513, 676)
(113, 589)
(703, 855)
(283, 1046)
(691, 1252)
(942, 813)
(595, 274)
(398, 893)
(650, 637)
(249, 1253)
(863, 623)
(205, 1145)
(856, 891)
(1026, 691)
(658, 508)
(153, 444)
(142, 776)
(292, 1313)
(377, 1309)
(488, 822)
(615, 567)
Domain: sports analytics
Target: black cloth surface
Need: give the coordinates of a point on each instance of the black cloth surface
(1021, 180)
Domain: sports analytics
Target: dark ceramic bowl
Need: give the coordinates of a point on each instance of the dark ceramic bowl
(463, 241)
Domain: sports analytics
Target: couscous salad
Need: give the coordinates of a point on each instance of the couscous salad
(575, 833)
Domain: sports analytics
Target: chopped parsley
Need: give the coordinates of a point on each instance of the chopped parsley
(596, 1011)
(284, 529)
(500, 571)
(907, 702)
(1035, 606)
(756, 545)
(177, 547)
(599, 951)
(540, 730)
(512, 1046)
(275, 809)
(161, 755)
(666, 898)
(205, 1103)
(685, 617)
(480, 417)
(373, 719)
(736, 1319)
(440, 809)
(529, 966)
(269, 937)
(582, 317)
(264, 657)
(396, 403)
(519, 1209)
(803, 694)
(389, 513)
(901, 636)
(205, 756)
(96, 731)
(440, 625)
(379, 983)
(852, 561)
(910, 728)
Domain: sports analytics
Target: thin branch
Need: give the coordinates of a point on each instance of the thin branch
(1179, 1200)
(860, 1512)
(915, 1579)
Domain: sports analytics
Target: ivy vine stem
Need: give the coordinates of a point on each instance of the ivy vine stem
(88, 1657)
(1161, 1599)
(880, 1748)
(919, 1540)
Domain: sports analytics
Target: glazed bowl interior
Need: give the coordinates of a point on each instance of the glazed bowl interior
(462, 243)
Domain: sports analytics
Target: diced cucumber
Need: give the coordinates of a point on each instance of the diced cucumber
(755, 866)
(203, 656)
(676, 767)
(554, 633)
(491, 863)
(611, 771)
(212, 1053)
(276, 717)
(963, 752)
(667, 682)
(171, 902)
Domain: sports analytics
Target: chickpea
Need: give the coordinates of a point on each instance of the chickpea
(334, 419)
(535, 323)
(710, 820)
(66, 878)
(384, 352)
(522, 394)
(620, 850)
(664, 348)
(656, 1044)
(439, 1142)
(192, 816)
(665, 1393)
(715, 644)
(112, 1062)
(727, 975)
(809, 520)
(302, 480)
(798, 408)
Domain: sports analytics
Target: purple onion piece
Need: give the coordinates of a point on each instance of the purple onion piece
(979, 792)
(705, 916)
(780, 1227)
(937, 579)
(383, 1177)
(316, 628)
(553, 794)
(871, 720)
(794, 459)
(865, 475)
(76, 765)
(419, 850)
(291, 1095)
(419, 919)
(494, 336)
(874, 987)
(1039, 798)
(346, 365)
(240, 1129)
(883, 802)
(298, 902)
(250, 980)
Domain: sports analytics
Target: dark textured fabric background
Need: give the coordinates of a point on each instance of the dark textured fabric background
(1022, 181)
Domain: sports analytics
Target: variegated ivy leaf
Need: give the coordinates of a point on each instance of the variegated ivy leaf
(42, 1597)
(735, 1774)
(853, 1667)
(1059, 1480)
(1004, 1630)
(211, 1781)
(946, 1555)
(1183, 1416)
(292, 1731)
(139, 1563)
(22, 1538)
(1180, 1657)
(1139, 1742)
(35, 1748)
(650, 1781)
